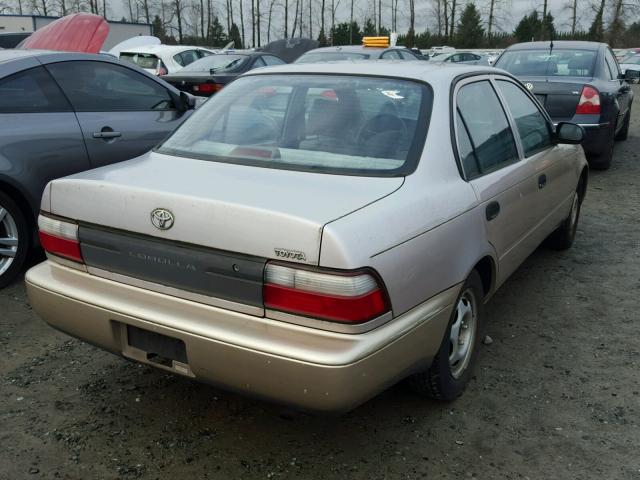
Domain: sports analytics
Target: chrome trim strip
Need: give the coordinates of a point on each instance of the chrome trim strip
(175, 292)
(326, 325)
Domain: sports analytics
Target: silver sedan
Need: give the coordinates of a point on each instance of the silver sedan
(315, 233)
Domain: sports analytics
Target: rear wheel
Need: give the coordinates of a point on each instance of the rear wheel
(452, 367)
(624, 133)
(562, 238)
(14, 240)
(603, 160)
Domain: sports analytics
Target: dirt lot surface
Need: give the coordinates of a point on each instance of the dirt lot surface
(556, 395)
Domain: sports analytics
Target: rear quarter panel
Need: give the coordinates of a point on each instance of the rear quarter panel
(423, 238)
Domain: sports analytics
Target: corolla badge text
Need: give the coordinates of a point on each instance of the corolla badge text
(162, 219)
(290, 254)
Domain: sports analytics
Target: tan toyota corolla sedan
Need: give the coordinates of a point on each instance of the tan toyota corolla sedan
(315, 233)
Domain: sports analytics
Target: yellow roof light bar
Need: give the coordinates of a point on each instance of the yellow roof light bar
(380, 42)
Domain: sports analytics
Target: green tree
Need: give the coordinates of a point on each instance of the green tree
(340, 34)
(234, 35)
(322, 39)
(216, 35)
(548, 28)
(528, 28)
(160, 32)
(369, 29)
(596, 31)
(470, 32)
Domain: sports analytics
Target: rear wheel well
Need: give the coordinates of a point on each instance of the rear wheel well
(486, 270)
(582, 184)
(22, 203)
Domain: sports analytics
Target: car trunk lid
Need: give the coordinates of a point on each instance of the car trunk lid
(559, 97)
(260, 212)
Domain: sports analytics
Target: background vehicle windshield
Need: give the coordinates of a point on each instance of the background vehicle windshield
(325, 123)
(331, 56)
(217, 63)
(634, 60)
(143, 60)
(558, 63)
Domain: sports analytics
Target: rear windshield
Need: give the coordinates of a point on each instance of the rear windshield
(327, 123)
(543, 63)
(143, 60)
(331, 56)
(216, 63)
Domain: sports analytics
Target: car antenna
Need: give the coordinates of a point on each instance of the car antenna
(546, 73)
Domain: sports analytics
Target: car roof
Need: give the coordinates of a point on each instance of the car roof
(168, 49)
(434, 73)
(563, 44)
(13, 54)
(353, 49)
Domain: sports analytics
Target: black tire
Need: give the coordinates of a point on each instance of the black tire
(623, 134)
(24, 240)
(602, 161)
(562, 238)
(439, 381)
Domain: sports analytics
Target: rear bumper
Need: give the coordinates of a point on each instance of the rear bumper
(597, 137)
(300, 366)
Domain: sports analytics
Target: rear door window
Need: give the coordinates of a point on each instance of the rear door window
(532, 126)
(101, 87)
(31, 91)
(489, 132)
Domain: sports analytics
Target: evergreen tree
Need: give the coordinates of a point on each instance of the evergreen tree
(234, 35)
(548, 28)
(528, 28)
(470, 32)
(596, 31)
(216, 34)
(369, 29)
(160, 32)
(322, 39)
(340, 34)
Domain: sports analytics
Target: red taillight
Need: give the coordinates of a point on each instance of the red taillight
(60, 238)
(589, 101)
(207, 88)
(355, 297)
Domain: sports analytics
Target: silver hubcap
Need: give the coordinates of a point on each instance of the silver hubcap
(8, 240)
(463, 332)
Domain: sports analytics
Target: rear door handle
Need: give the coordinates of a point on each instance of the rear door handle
(542, 181)
(492, 210)
(106, 133)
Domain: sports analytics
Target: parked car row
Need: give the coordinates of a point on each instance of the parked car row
(247, 248)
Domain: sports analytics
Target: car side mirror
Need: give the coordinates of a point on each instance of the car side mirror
(570, 133)
(189, 101)
(630, 75)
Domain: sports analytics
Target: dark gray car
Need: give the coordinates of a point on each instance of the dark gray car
(62, 113)
(577, 82)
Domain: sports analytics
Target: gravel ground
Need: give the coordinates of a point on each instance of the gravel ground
(556, 395)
